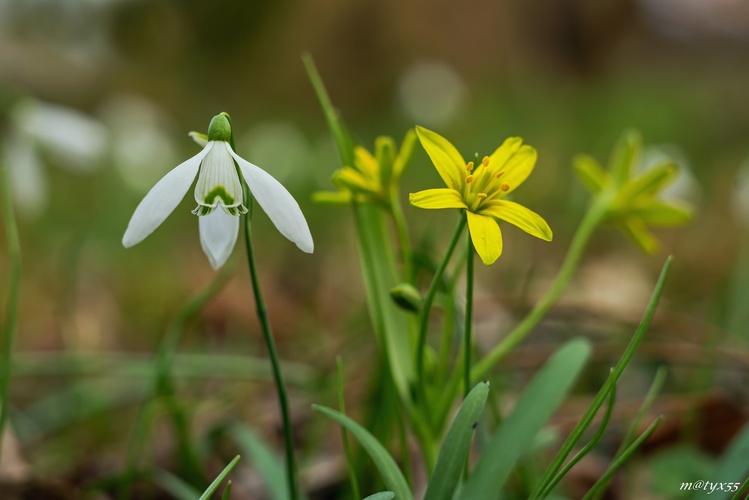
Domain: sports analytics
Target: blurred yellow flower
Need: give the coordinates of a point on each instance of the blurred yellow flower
(480, 189)
(372, 178)
(633, 202)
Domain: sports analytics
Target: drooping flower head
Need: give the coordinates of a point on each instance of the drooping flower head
(481, 190)
(219, 196)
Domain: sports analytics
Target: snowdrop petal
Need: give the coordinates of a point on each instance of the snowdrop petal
(162, 199)
(277, 202)
(218, 234)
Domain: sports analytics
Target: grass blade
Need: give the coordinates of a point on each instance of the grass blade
(732, 467)
(626, 357)
(536, 405)
(219, 479)
(452, 458)
(601, 483)
(389, 470)
(269, 466)
(383, 495)
(175, 486)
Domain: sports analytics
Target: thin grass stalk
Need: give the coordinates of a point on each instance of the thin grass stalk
(11, 310)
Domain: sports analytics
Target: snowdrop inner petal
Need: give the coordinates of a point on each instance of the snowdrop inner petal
(218, 182)
(277, 202)
(162, 199)
(218, 234)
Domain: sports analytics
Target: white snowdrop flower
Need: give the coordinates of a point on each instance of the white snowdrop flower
(218, 193)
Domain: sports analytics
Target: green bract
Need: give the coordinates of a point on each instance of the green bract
(633, 201)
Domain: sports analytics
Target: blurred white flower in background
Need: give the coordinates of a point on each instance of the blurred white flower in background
(143, 147)
(685, 186)
(432, 93)
(42, 132)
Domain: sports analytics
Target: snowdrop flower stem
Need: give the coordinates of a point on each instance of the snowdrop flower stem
(11, 311)
(262, 314)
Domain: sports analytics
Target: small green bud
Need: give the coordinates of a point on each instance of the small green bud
(406, 297)
(220, 128)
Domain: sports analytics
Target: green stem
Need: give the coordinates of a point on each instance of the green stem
(399, 220)
(262, 314)
(429, 298)
(592, 219)
(468, 320)
(11, 312)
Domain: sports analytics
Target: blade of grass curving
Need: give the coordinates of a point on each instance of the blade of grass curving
(391, 474)
(536, 404)
(342, 138)
(598, 401)
(11, 308)
(219, 479)
(732, 466)
(270, 467)
(601, 483)
(647, 403)
(175, 486)
(227, 491)
(383, 495)
(457, 444)
(591, 444)
(743, 489)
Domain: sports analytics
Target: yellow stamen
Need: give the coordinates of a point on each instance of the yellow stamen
(469, 179)
(500, 174)
(504, 187)
(469, 166)
(485, 161)
(481, 196)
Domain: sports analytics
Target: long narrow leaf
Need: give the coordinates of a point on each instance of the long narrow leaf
(626, 357)
(219, 479)
(389, 470)
(536, 405)
(263, 458)
(175, 486)
(383, 495)
(452, 458)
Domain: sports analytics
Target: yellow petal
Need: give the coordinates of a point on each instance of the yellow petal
(353, 180)
(332, 197)
(648, 183)
(663, 213)
(404, 154)
(486, 237)
(636, 230)
(365, 162)
(437, 198)
(514, 213)
(518, 168)
(503, 153)
(445, 157)
(590, 173)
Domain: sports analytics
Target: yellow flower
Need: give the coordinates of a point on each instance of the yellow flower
(481, 189)
(633, 202)
(372, 178)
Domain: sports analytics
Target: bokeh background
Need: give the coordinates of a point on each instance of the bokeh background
(97, 97)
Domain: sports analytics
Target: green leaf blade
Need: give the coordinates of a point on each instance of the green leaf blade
(457, 445)
(536, 405)
(391, 474)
